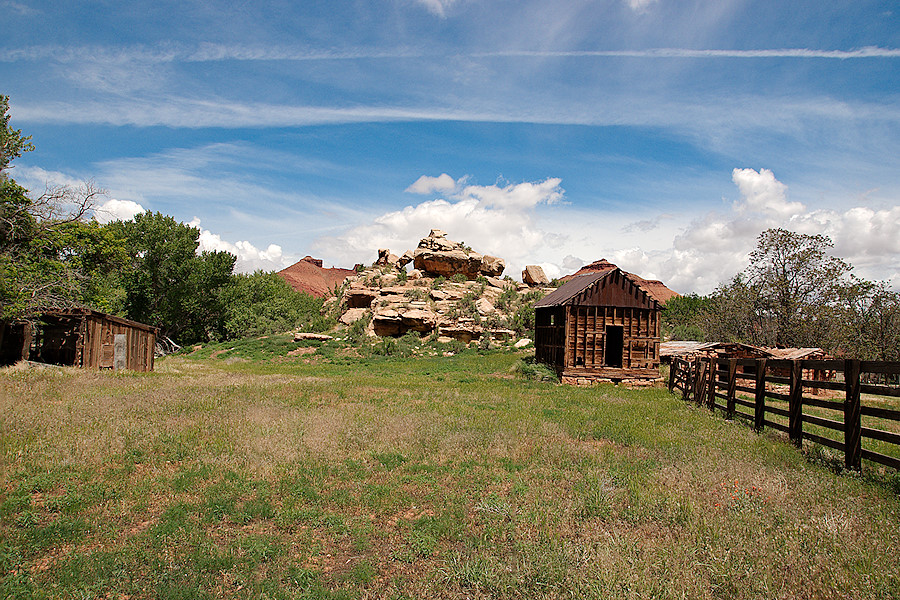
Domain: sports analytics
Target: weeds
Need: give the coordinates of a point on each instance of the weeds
(472, 475)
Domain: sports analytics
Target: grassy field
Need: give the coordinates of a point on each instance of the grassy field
(321, 476)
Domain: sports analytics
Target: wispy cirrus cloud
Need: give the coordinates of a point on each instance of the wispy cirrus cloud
(437, 7)
(736, 114)
(209, 52)
(651, 53)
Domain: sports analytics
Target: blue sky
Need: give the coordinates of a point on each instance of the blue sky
(661, 135)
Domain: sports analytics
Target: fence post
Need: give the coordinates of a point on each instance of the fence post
(694, 381)
(732, 383)
(852, 417)
(700, 389)
(686, 380)
(673, 366)
(711, 389)
(759, 409)
(795, 405)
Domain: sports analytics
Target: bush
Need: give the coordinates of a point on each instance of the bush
(535, 371)
(263, 303)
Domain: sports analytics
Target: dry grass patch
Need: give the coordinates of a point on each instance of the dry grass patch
(413, 478)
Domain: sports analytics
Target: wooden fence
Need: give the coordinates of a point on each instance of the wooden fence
(854, 401)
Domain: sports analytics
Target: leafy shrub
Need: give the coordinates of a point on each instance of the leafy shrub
(357, 330)
(263, 303)
(415, 294)
(535, 371)
(459, 278)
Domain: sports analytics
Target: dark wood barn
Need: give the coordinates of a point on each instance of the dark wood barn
(599, 326)
(82, 338)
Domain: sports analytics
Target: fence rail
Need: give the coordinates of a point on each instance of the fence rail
(773, 392)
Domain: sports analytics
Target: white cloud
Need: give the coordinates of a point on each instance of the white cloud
(437, 7)
(37, 179)
(640, 6)
(427, 185)
(249, 257)
(496, 220)
(715, 247)
(761, 192)
(692, 256)
(117, 210)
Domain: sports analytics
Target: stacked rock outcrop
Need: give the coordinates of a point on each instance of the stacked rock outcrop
(438, 256)
(452, 291)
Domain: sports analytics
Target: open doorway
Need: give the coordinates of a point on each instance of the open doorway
(615, 344)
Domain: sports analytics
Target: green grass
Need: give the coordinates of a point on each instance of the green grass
(334, 476)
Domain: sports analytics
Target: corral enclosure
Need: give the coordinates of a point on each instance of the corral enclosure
(599, 325)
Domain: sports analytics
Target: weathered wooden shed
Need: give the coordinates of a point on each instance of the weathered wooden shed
(599, 326)
(81, 337)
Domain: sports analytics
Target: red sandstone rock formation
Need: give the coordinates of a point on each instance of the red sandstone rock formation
(308, 276)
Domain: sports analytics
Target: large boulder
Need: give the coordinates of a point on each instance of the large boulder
(492, 266)
(386, 258)
(438, 256)
(534, 275)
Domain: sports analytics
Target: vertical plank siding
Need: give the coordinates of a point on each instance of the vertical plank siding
(604, 327)
(86, 338)
(765, 397)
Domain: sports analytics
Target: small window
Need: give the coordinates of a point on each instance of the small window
(553, 319)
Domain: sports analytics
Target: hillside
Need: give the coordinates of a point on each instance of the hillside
(308, 275)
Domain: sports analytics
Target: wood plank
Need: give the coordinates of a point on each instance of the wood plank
(878, 434)
(826, 423)
(882, 413)
(879, 390)
(889, 461)
(775, 425)
(885, 367)
(852, 413)
(824, 441)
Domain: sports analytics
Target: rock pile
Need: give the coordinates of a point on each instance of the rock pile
(438, 256)
(452, 291)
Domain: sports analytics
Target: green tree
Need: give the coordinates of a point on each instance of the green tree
(263, 303)
(167, 284)
(868, 325)
(734, 314)
(12, 142)
(681, 317)
(50, 258)
(797, 282)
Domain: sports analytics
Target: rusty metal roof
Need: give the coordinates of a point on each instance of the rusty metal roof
(570, 289)
(795, 353)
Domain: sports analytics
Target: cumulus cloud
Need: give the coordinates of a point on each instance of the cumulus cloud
(495, 219)
(761, 192)
(429, 185)
(714, 247)
(249, 257)
(117, 210)
(700, 253)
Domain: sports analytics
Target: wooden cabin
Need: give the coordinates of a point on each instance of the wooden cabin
(81, 337)
(599, 326)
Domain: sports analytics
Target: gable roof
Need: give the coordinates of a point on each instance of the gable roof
(570, 289)
(657, 289)
(569, 292)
